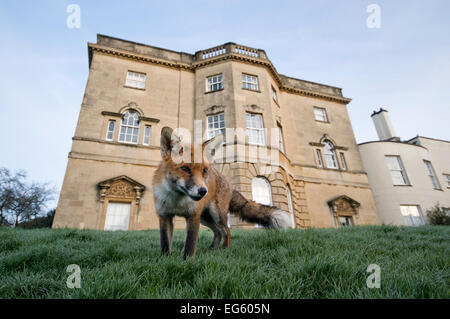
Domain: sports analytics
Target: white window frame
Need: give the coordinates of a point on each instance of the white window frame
(116, 221)
(255, 129)
(147, 135)
(447, 179)
(110, 130)
(319, 158)
(329, 155)
(290, 205)
(394, 171)
(413, 217)
(126, 128)
(320, 114)
(280, 138)
(343, 161)
(274, 94)
(214, 83)
(432, 175)
(136, 80)
(216, 125)
(250, 82)
(261, 192)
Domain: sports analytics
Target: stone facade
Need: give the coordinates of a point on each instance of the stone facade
(102, 170)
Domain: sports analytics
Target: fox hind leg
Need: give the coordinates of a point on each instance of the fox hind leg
(208, 221)
(217, 236)
(225, 230)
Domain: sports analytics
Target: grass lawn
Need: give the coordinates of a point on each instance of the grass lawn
(314, 263)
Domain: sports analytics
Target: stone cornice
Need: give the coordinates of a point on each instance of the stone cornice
(202, 63)
(134, 56)
(96, 140)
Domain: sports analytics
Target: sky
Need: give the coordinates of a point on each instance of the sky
(402, 66)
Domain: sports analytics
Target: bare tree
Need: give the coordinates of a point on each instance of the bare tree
(21, 201)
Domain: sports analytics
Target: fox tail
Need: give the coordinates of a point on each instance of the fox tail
(250, 211)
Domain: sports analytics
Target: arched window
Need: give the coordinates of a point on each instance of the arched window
(329, 155)
(129, 129)
(291, 207)
(261, 191)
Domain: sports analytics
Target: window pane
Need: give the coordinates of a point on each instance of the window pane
(214, 83)
(250, 82)
(432, 175)
(136, 80)
(147, 135)
(343, 162)
(129, 130)
(393, 162)
(412, 215)
(110, 132)
(320, 114)
(280, 137)
(329, 155)
(319, 158)
(216, 125)
(261, 191)
(397, 171)
(397, 178)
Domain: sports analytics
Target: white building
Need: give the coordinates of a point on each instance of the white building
(407, 177)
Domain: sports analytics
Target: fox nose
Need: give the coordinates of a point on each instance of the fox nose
(202, 191)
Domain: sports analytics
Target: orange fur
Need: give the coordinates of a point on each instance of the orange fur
(179, 190)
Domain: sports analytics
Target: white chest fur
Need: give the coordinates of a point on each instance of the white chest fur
(170, 202)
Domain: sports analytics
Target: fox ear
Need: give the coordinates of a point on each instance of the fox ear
(167, 142)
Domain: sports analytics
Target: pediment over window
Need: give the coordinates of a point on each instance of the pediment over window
(324, 138)
(253, 108)
(214, 109)
(121, 187)
(344, 205)
(131, 106)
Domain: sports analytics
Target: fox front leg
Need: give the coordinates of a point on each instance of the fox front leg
(192, 228)
(166, 234)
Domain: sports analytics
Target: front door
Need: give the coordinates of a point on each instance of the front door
(117, 216)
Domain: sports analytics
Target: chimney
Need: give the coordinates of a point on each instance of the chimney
(383, 125)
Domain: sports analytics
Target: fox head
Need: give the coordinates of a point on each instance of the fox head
(183, 174)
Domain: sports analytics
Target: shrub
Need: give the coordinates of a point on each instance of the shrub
(439, 215)
(39, 222)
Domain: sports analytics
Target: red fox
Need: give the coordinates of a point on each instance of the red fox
(199, 193)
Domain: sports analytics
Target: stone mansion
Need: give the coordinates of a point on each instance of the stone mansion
(134, 90)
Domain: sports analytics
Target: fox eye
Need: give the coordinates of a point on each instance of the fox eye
(205, 171)
(185, 169)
